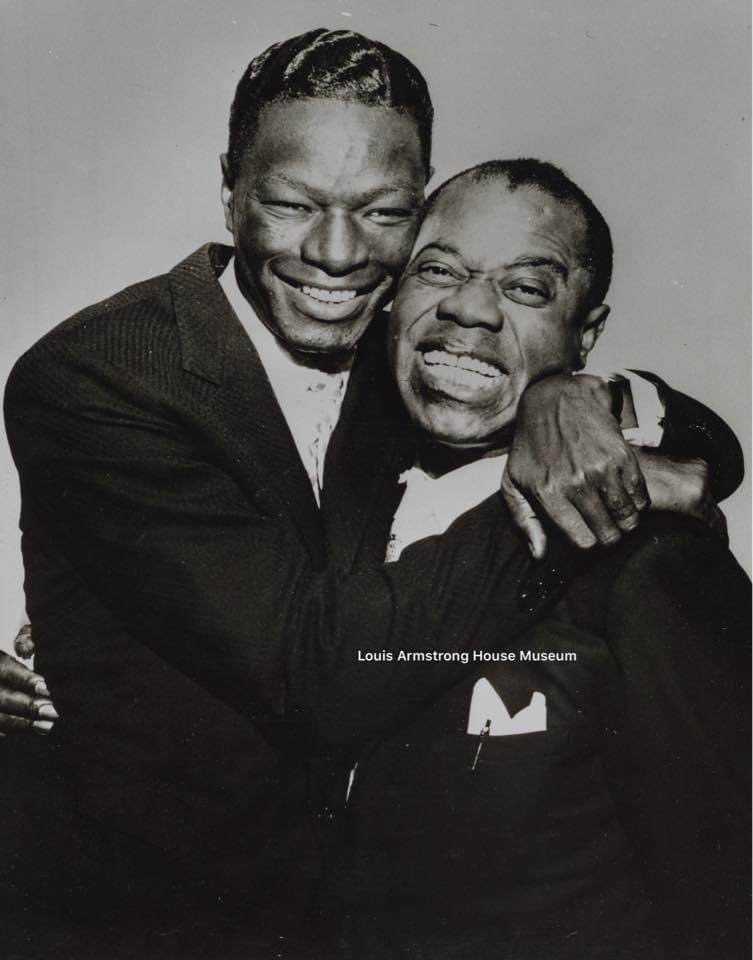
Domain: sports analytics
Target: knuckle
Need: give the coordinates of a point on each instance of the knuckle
(543, 490)
(608, 539)
(627, 514)
(634, 483)
(626, 524)
(598, 472)
(617, 460)
(574, 484)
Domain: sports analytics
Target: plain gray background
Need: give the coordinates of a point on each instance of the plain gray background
(114, 114)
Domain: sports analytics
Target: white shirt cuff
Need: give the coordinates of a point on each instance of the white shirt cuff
(649, 411)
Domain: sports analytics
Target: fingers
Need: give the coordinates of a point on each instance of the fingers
(18, 704)
(595, 516)
(524, 517)
(570, 521)
(37, 718)
(19, 711)
(9, 723)
(24, 699)
(17, 676)
(634, 482)
(533, 531)
(618, 504)
(609, 498)
(590, 507)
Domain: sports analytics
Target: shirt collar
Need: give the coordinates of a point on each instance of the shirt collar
(278, 362)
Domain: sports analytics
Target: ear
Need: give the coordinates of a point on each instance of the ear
(591, 330)
(226, 193)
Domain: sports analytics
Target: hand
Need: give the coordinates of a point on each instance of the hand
(681, 486)
(24, 698)
(570, 462)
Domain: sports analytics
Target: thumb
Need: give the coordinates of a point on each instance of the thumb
(524, 517)
(23, 645)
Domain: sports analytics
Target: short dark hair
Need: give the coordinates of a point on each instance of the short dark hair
(333, 64)
(529, 172)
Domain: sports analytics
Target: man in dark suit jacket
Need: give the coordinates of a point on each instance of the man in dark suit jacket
(586, 794)
(174, 552)
(166, 513)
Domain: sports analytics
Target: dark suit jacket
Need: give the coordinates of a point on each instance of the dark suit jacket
(189, 601)
(176, 575)
(621, 829)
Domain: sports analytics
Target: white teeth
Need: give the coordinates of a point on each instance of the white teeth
(329, 296)
(461, 362)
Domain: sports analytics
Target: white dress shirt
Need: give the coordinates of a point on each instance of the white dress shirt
(310, 399)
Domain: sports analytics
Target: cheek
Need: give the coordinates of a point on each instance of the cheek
(392, 248)
(413, 310)
(547, 346)
(262, 239)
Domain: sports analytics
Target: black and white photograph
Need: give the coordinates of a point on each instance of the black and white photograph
(376, 532)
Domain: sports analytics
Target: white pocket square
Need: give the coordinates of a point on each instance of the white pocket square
(489, 714)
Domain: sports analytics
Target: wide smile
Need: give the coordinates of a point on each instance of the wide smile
(459, 375)
(329, 304)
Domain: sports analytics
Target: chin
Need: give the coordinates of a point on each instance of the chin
(460, 427)
(332, 340)
(453, 431)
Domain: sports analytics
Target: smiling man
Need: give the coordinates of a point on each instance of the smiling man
(323, 233)
(199, 456)
(462, 363)
(192, 452)
(585, 795)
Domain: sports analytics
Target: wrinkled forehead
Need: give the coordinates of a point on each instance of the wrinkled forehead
(490, 225)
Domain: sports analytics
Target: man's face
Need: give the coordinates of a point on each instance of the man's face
(323, 213)
(493, 298)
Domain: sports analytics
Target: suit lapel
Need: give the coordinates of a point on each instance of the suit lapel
(365, 456)
(252, 429)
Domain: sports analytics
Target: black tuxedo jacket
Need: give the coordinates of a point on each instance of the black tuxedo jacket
(613, 822)
(176, 576)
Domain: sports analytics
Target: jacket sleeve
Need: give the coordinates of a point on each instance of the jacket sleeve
(170, 545)
(678, 743)
(693, 430)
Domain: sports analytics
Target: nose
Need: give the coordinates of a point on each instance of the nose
(334, 244)
(474, 304)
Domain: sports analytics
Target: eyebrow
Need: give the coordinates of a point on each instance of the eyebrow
(365, 198)
(442, 247)
(556, 265)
